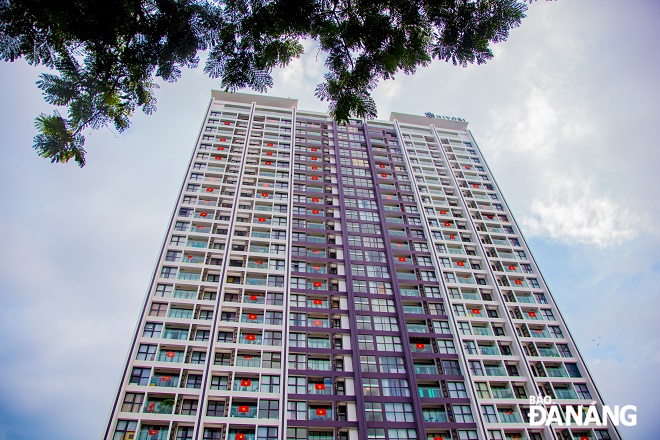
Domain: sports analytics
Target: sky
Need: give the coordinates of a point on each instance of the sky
(566, 114)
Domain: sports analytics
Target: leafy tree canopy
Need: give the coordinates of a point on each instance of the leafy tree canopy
(107, 53)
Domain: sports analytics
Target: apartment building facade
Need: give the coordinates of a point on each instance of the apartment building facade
(330, 281)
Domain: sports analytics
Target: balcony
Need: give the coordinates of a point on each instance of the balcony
(564, 393)
(409, 292)
(323, 388)
(548, 352)
(430, 392)
(421, 347)
(196, 244)
(320, 414)
(189, 276)
(495, 371)
(426, 369)
(406, 276)
(318, 343)
(319, 365)
(248, 338)
(243, 411)
(253, 299)
(175, 334)
(255, 281)
(502, 393)
(259, 249)
(417, 328)
(434, 416)
(556, 372)
(491, 351)
(252, 318)
(317, 322)
(180, 313)
(159, 406)
(152, 433)
(184, 294)
(413, 310)
(164, 380)
(507, 416)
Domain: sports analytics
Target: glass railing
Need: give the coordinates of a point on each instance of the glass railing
(540, 333)
(163, 380)
(189, 276)
(413, 309)
(319, 388)
(248, 385)
(196, 244)
(481, 331)
(153, 434)
(200, 229)
(409, 292)
(255, 281)
(565, 394)
(556, 372)
(253, 299)
(320, 414)
(175, 334)
(473, 296)
(397, 233)
(317, 303)
(430, 392)
(318, 365)
(417, 328)
(434, 416)
(502, 393)
(315, 226)
(186, 294)
(158, 407)
(421, 347)
(509, 417)
(426, 369)
(406, 276)
(248, 361)
(192, 259)
(525, 299)
(313, 239)
(489, 351)
(243, 411)
(318, 343)
(252, 318)
(319, 322)
(317, 285)
(180, 313)
(495, 371)
(249, 339)
(321, 254)
(548, 352)
(256, 234)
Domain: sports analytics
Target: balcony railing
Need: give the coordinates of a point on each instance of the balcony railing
(157, 407)
(163, 380)
(430, 392)
(175, 334)
(426, 369)
(243, 411)
(434, 416)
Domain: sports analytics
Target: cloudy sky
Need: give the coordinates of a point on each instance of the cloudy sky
(567, 114)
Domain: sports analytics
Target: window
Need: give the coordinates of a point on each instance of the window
(168, 272)
(401, 434)
(271, 360)
(370, 386)
(267, 433)
(373, 411)
(463, 414)
(388, 343)
(391, 364)
(564, 351)
(366, 342)
(456, 389)
(198, 357)
(451, 367)
(215, 408)
(395, 387)
(152, 330)
(189, 407)
(482, 390)
(386, 323)
(399, 412)
(194, 381)
(296, 410)
(272, 338)
(488, 412)
(172, 255)
(163, 290)
(368, 363)
(146, 352)
(582, 391)
(270, 384)
(219, 383)
(184, 433)
(132, 402)
(123, 428)
(573, 370)
(269, 409)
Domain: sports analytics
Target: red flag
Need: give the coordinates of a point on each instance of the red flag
(317, 284)
(381, 165)
(474, 185)
(226, 122)
(262, 219)
(512, 267)
(315, 178)
(270, 144)
(221, 148)
(314, 149)
(383, 175)
(268, 163)
(165, 378)
(269, 153)
(253, 297)
(315, 168)
(315, 211)
(315, 158)
(203, 214)
(532, 314)
(318, 302)
(460, 263)
(264, 195)
(518, 282)
(246, 382)
(240, 436)
(252, 317)
(223, 139)
(319, 386)
(170, 354)
(420, 346)
(243, 409)
(317, 267)
(318, 323)
(151, 407)
(248, 357)
(315, 199)
(443, 212)
(447, 223)
(402, 258)
(218, 157)
(250, 337)
(476, 311)
(152, 432)
(321, 412)
(209, 190)
(452, 236)
(467, 167)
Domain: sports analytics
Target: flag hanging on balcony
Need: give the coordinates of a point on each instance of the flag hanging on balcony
(318, 323)
(169, 354)
(243, 409)
(318, 302)
(240, 436)
(252, 317)
(420, 346)
(151, 407)
(253, 297)
(246, 382)
(319, 386)
(321, 412)
(250, 337)
(152, 432)
(532, 314)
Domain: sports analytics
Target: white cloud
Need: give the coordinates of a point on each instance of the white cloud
(574, 212)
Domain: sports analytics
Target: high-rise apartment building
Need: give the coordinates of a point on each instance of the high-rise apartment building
(355, 281)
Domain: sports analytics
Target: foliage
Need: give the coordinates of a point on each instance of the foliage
(108, 53)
